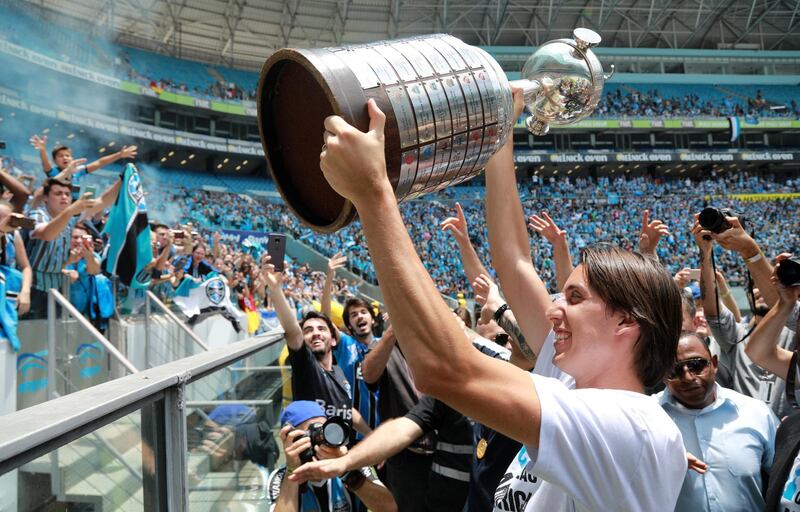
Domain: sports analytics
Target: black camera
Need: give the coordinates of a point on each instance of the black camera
(335, 432)
(713, 219)
(788, 272)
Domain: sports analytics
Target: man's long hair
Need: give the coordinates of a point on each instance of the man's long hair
(634, 285)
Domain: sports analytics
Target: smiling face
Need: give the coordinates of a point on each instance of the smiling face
(317, 336)
(695, 390)
(360, 321)
(586, 331)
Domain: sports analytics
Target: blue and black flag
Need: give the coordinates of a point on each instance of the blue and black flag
(129, 249)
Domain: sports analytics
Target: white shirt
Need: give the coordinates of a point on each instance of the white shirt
(735, 436)
(599, 449)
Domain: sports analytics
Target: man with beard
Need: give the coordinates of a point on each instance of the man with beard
(734, 433)
(747, 377)
(310, 343)
(351, 349)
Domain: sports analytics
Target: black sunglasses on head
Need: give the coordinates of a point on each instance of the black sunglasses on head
(695, 365)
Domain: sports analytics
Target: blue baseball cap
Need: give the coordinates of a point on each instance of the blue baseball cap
(300, 411)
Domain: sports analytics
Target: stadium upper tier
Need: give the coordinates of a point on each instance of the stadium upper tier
(157, 74)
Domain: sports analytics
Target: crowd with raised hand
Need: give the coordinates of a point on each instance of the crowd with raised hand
(578, 203)
(618, 384)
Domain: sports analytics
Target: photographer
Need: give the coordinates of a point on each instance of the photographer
(328, 495)
(733, 338)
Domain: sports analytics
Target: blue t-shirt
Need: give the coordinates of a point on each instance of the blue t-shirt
(349, 354)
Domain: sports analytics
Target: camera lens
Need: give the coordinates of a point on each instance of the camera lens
(711, 219)
(789, 272)
(336, 432)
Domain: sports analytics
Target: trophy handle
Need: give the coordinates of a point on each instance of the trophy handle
(607, 77)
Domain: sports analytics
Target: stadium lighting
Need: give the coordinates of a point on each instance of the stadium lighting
(101, 150)
(569, 171)
(244, 163)
(225, 161)
(163, 159)
(238, 167)
(219, 166)
(111, 144)
(183, 162)
(71, 136)
(191, 156)
(171, 153)
(636, 166)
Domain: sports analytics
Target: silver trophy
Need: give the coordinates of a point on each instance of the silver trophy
(562, 81)
(448, 109)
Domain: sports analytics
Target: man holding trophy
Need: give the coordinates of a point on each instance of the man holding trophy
(603, 445)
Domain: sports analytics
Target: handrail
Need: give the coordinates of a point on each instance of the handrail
(39, 429)
(56, 295)
(172, 316)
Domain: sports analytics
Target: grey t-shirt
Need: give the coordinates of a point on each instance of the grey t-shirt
(747, 377)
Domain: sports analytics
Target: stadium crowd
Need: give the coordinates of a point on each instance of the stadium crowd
(581, 203)
(634, 103)
(726, 366)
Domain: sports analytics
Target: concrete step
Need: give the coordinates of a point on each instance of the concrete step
(113, 487)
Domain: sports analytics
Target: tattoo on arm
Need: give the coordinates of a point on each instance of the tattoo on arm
(513, 330)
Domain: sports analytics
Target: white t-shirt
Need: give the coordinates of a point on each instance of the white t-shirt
(599, 449)
(791, 491)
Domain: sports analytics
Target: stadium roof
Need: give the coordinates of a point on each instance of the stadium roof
(242, 33)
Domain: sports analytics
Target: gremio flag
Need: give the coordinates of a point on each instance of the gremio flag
(129, 248)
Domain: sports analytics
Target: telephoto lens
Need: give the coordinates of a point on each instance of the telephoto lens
(713, 219)
(788, 272)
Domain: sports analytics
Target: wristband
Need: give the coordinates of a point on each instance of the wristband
(352, 480)
(499, 313)
(753, 259)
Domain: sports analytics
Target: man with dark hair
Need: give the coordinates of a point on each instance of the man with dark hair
(734, 433)
(49, 242)
(352, 347)
(310, 343)
(592, 448)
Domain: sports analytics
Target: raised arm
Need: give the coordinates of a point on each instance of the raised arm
(106, 199)
(651, 233)
(50, 230)
(737, 239)
(510, 245)
(488, 296)
(707, 285)
(763, 347)
(286, 314)
(457, 226)
(125, 152)
(338, 261)
(557, 237)
(727, 298)
(19, 192)
(376, 359)
(449, 368)
(40, 144)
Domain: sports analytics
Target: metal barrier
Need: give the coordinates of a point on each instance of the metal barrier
(153, 399)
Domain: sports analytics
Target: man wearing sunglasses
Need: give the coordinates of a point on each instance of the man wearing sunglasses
(732, 433)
